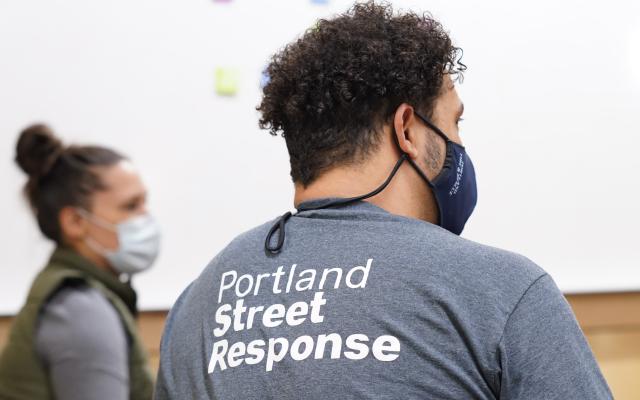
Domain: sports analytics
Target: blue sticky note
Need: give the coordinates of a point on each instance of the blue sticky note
(264, 79)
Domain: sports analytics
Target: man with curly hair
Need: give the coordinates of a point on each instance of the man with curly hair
(368, 291)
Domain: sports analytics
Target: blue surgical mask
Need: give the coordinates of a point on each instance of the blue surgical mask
(454, 188)
(138, 242)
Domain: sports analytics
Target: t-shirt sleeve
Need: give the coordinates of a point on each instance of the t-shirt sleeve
(83, 344)
(543, 352)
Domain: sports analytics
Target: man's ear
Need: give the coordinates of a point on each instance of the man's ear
(404, 130)
(72, 225)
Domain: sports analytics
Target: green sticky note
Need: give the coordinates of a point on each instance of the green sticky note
(227, 81)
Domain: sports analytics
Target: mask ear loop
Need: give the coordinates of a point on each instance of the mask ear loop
(433, 127)
(415, 165)
(96, 220)
(280, 222)
(92, 243)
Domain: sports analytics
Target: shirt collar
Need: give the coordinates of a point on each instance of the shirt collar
(362, 205)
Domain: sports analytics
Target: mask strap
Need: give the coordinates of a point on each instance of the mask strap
(406, 156)
(280, 222)
(420, 172)
(95, 246)
(96, 220)
(432, 126)
(279, 225)
(343, 202)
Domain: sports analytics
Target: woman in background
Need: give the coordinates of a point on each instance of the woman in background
(75, 337)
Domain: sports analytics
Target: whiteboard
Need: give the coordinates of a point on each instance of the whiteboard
(553, 108)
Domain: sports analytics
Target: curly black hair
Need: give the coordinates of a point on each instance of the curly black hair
(330, 91)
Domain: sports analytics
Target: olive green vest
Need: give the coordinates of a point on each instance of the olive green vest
(22, 374)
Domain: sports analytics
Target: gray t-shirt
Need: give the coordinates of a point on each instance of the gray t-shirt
(364, 304)
(83, 345)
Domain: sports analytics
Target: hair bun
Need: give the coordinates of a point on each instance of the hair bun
(37, 149)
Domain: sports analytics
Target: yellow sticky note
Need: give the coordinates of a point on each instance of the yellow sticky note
(227, 81)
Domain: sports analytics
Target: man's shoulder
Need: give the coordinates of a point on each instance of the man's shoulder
(492, 266)
(425, 241)
(505, 263)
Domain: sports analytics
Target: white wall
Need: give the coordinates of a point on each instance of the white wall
(552, 97)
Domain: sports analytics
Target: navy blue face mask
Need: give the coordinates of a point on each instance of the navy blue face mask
(455, 186)
(454, 189)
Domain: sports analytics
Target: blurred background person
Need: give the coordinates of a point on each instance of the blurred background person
(76, 337)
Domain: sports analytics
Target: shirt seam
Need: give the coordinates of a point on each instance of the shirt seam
(506, 323)
(504, 329)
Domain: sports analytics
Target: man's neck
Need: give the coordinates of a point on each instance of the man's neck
(407, 195)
